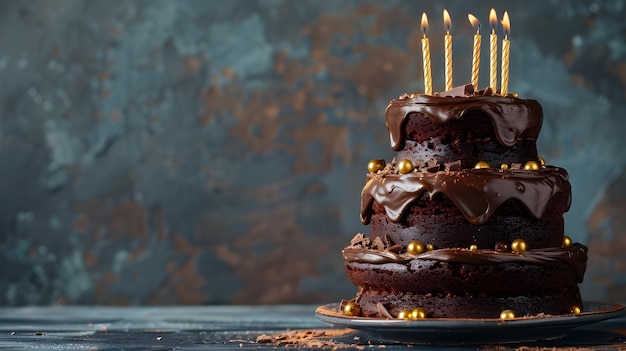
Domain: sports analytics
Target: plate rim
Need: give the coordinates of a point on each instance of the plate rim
(427, 330)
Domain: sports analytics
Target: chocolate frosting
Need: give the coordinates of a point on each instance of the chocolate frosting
(510, 116)
(477, 193)
(575, 256)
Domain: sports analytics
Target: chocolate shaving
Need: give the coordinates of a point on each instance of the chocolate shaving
(395, 248)
(388, 241)
(360, 240)
(382, 311)
(420, 166)
(516, 166)
(378, 244)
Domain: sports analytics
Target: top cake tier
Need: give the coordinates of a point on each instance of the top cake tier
(466, 126)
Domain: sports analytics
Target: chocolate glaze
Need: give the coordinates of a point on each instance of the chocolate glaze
(575, 256)
(510, 116)
(477, 193)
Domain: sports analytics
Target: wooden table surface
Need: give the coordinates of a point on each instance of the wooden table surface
(229, 327)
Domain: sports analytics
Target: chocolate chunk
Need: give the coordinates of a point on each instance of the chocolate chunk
(432, 166)
(433, 169)
(461, 90)
(485, 92)
(453, 166)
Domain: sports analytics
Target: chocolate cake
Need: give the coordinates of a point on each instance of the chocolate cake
(468, 222)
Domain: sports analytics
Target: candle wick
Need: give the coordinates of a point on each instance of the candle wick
(478, 29)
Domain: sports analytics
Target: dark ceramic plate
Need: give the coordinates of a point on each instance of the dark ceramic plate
(452, 331)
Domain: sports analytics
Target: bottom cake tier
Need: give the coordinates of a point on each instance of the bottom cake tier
(372, 302)
(465, 283)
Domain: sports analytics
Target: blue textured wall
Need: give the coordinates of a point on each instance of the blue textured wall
(193, 152)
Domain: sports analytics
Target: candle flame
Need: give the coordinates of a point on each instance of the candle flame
(506, 23)
(424, 23)
(474, 21)
(493, 19)
(446, 20)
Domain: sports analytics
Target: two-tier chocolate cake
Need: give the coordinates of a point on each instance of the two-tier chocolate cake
(467, 220)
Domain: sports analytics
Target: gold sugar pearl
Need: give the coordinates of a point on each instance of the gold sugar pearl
(415, 248)
(541, 161)
(352, 309)
(567, 241)
(507, 314)
(473, 247)
(417, 313)
(531, 166)
(481, 164)
(575, 310)
(430, 247)
(405, 166)
(404, 314)
(375, 165)
(504, 166)
(518, 245)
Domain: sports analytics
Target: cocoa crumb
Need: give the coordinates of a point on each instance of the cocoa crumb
(318, 338)
(264, 338)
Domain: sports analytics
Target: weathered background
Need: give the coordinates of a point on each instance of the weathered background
(198, 152)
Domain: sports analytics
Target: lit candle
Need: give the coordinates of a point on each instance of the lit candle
(493, 50)
(476, 51)
(428, 83)
(448, 49)
(506, 48)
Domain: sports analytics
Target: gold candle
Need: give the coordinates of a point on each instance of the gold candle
(428, 83)
(448, 49)
(493, 51)
(506, 48)
(476, 51)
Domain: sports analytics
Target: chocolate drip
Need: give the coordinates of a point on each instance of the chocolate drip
(477, 193)
(510, 116)
(575, 256)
